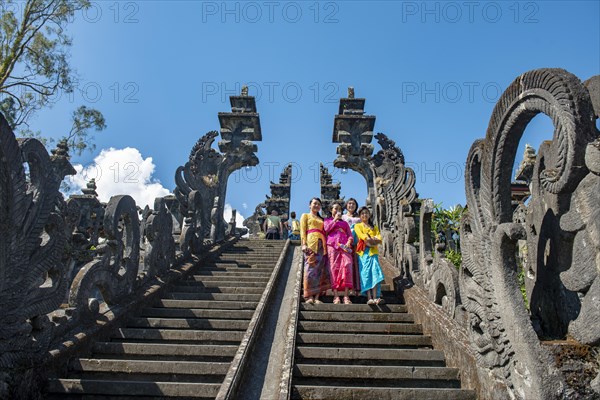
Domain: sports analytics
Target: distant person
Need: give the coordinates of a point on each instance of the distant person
(294, 227)
(371, 274)
(316, 274)
(273, 226)
(339, 252)
(352, 218)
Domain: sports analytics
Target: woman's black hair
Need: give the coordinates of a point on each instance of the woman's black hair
(336, 203)
(320, 202)
(356, 213)
(293, 214)
(370, 214)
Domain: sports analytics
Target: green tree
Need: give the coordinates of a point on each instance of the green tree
(34, 66)
(447, 221)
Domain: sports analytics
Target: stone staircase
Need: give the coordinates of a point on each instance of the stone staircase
(181, 346)
(368, 352)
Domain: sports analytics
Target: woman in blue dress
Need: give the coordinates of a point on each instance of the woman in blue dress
(371, 274)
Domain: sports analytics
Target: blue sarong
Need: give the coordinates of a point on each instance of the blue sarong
(371, 274)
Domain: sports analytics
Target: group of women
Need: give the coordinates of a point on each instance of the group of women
(340, 253)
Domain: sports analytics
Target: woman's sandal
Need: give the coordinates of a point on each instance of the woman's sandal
(310, 300)
(347, 300)
(317, 301)
(336, 300)
(380, 301)
(370, 302)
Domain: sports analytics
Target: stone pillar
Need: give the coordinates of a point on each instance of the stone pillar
(353, 130)
(239, 129)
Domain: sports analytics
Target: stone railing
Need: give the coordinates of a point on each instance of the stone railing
(560, 227)
(69, 267)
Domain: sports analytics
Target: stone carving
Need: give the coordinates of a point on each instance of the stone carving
(208, 171)
(353, 130)
(197, 185)
(62, 263)
(84, 214)
(280, 194)
(112, 273)
(390, 183)
(330, 192)
(583, 221)
(33, 274)
(525, 171)
(395, 193)
(433, 272)
(563, 182)
(255, 222)
(279, 201)
(159, 253)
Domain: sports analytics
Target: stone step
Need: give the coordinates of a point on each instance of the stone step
(356, 316)
(259, 244)
(210, 282)
(248, 273)
(388, 393)
(350, 308)
(228, 278)
(357, 340)
(252, 262)
(195, 313)
(188, 323)
(270, 257)
(179, 335)
(194, 287)
(249, 251)
(325, 355)
(254, 253)
(123, 368)
(206, 304)
(238, 269)
(267, 256)
(388, 295)
(359, 327)
(124, 388)
(165, 350)
(214, 296)
(400, 376)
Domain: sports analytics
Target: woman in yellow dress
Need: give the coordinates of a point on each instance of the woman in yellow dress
(314, 246)
(371, 274)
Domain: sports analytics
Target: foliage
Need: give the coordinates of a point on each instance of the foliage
(455, 257)
(34, 66)
(521, 276)
(447, 221)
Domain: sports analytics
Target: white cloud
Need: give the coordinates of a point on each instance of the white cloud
(120, 171)
(125, 171)
(239, 218)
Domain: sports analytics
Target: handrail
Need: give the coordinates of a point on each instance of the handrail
(235, 373)
(290, 341)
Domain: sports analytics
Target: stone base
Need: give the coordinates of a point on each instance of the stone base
(448, 336)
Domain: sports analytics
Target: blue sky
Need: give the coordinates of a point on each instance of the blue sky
(431, 72)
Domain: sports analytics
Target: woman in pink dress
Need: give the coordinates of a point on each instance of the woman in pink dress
(339, 251)
(351, 217)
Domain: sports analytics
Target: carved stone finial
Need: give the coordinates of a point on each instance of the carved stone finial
(525, 170)
(350, 92)
(62, 149)
(90, 188)
(245, 90)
